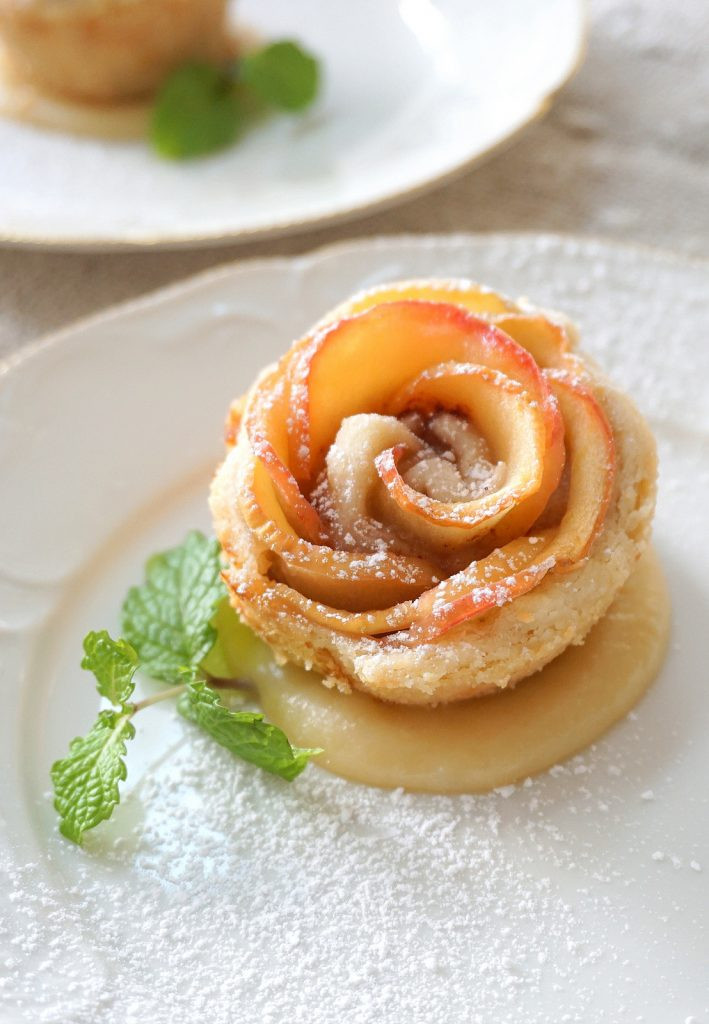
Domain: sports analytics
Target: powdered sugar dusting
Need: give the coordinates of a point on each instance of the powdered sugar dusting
(260, 901)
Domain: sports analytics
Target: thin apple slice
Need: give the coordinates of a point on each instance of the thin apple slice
(511, 423)
(546, 341)
(353, 482)
(274, 599)
(265, 420)
(361, 362)
(354, 581)
(473, 297)
(233, 421)
(344, 580)
(520, 565)
(489, 583)
(591, 448)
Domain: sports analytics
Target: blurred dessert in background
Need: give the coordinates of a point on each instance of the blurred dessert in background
(107, 51)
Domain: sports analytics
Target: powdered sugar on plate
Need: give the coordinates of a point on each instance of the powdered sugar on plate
(219, 891)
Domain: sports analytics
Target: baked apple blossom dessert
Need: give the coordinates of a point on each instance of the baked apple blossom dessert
(428, 499)
(431, 495)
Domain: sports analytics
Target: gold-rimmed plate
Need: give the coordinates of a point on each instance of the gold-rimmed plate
(414, 91)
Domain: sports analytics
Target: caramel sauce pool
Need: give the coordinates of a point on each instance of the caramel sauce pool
(477, 745)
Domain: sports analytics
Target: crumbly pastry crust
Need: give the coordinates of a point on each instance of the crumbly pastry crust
(485, 653)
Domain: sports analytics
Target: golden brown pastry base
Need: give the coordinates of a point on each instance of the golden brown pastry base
(478, 745)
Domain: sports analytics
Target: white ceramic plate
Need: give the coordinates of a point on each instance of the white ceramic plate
(414, 90)
(219, 894)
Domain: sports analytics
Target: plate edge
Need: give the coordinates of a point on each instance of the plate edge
(193, 282)
(285, 228)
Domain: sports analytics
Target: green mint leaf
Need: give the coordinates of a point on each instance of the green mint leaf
(113, 662)
(244, 733)
(86, 781)
(282, 74)
(168, 618)
(196, 112)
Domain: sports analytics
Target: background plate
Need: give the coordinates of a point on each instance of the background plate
(413, 91)
(219, 894)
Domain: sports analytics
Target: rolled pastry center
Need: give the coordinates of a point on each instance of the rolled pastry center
(445, 459)
(455, 463)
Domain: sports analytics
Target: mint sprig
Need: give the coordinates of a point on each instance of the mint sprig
(113, 662)
(86, 781)
(244, 733)
(202, 108)
(168, 622)
(196, 112)
(168, 618)
(283, 75)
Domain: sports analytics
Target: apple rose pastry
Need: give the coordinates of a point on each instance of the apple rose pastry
(431, 495)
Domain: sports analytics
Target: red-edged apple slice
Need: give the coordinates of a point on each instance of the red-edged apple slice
(473, 297)
(489, 583)
(276, 599)
(265, 421)
(518, 567)
(514, 428)
(343, 580)
(358, 364)
(546, 341)
(591, 448)
(353, 581)
(233, 421)
(544, 338)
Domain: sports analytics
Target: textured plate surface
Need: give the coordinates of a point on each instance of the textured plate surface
(413, 90)
(218, 894)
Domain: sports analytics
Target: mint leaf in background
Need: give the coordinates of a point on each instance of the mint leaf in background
(203, 107)
(168, 618)
(86, 780)
(244, 733)
(113, 662)
(282, 74)
(196, 112)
